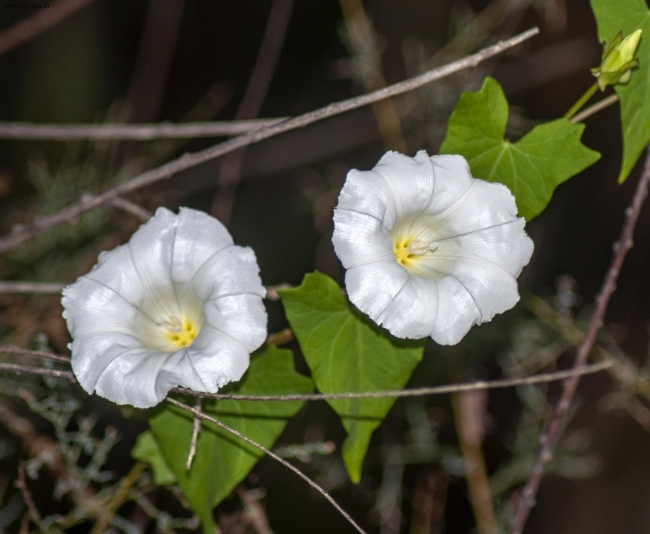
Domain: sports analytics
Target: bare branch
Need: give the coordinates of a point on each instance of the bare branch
(30, 27)
(132, 209)
(132, 132)
(415, 392)
(272, 455)
(41, 371)
(251, 104)
(9, 349)
(20, 234)
(196, 426)
(550, 435)
(30, 287)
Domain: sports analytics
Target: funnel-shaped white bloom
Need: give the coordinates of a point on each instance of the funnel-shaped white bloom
(178, 305)
(429, 250)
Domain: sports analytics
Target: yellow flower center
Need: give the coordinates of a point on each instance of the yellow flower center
(179, 332)
(169, 321)
(407, 250)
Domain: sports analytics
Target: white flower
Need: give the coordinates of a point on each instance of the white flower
(178, 305)
(429, 250)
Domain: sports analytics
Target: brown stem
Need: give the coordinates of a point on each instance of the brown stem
(30, 27)
(133, 132)
(251, 104)
(272, 455)
(551, 433)
(22, 233)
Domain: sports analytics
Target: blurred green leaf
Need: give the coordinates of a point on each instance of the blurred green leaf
(346, 354)
(531, 168)
(223, 460)
(628, 16)
(146, 450)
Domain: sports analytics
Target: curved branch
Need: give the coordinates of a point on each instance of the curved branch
(22, 233)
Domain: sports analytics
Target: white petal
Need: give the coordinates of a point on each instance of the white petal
(505, 245)
(411, 180)
(493, 288)
(482, 205)
(242, 317)
(217, 359)
(93, 353)
(457, 312)
(360, 239)
(231, 271)
(134, 377)
(372, 287)
(452, 179)
(198, 238)
(412, 312)
(395, 186)
(91, 307)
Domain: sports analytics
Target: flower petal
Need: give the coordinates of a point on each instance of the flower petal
(242, 317)
(397, 185)
(372, 287)
(230, 271)
(198, 238)
(360, 239)
(452, 179)
(412, 312)
(457, 312)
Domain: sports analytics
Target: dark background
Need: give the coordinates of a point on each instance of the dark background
(86, 68)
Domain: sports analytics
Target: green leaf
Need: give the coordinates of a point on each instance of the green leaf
(628, 16)
(533, 167)
(222, 460)
(346, 354)
(146, 450)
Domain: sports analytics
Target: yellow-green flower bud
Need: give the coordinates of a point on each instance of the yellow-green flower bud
(618, 60)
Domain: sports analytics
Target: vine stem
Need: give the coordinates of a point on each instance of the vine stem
(581, 101)
(415, 392)
(266, 451)
(22, 233)
(552, 431)
(132, 132)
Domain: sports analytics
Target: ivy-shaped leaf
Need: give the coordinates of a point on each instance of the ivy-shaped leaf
(223, 460)
(533, 167)
(628, 16)
(346, 354)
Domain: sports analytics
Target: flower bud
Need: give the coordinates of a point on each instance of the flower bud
(618, 60)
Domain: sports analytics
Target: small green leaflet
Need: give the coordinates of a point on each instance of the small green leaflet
(146, 450)
(346, 354)
(628, 16)
(531, 168)
(222, 460)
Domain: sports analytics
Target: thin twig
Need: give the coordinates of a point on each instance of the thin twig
(30, 27)
(196, 426)
(415, 392)
(132, 132)
(21, 484)
(21, 233)
(41, 371)
(132, 208)
(9, 349)
(251, 104)
(595, 108)
(30, 287)
(272, 455)
(550, 435)
(469, 412)
(118, 498)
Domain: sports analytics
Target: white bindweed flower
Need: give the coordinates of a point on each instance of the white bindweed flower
(178, 305)
(429, 250)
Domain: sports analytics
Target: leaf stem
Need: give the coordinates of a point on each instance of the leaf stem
(581, 101)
